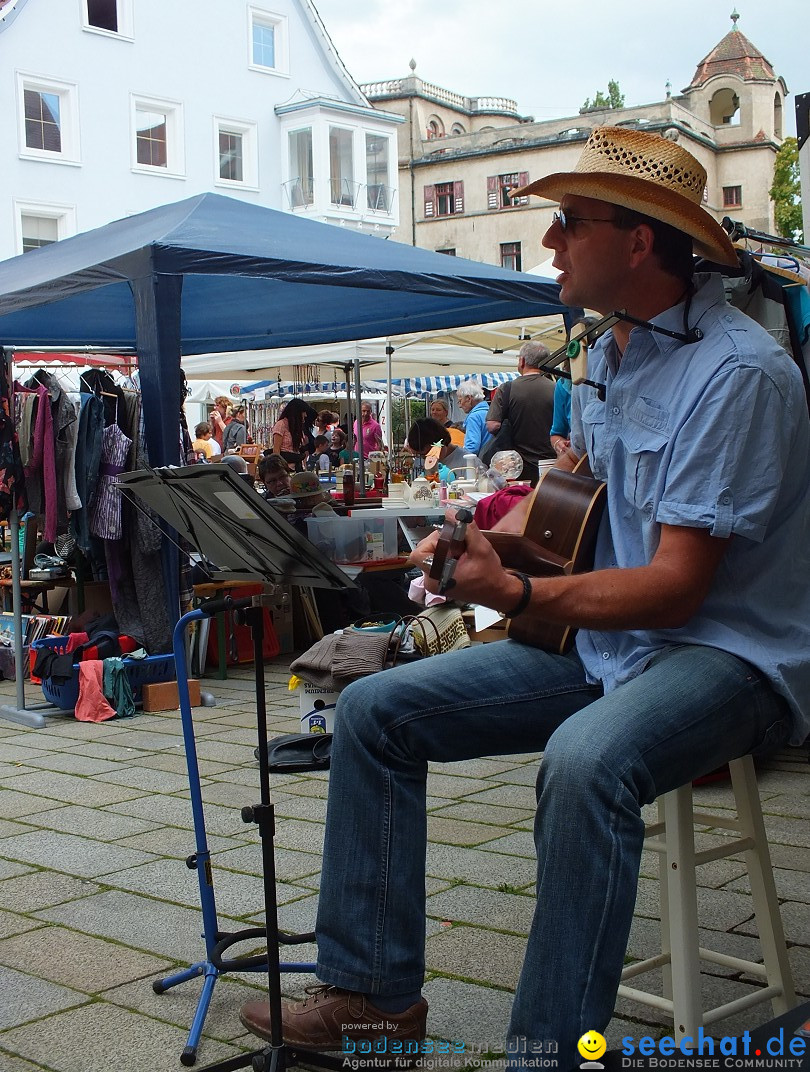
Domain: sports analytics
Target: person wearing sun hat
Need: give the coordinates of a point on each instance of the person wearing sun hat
(693, 641)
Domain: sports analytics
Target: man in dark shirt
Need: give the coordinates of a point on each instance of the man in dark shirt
(528, 402)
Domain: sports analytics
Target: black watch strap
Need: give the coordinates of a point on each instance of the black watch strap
(525, 597)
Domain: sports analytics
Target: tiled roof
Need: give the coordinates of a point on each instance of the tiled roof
(734, 55)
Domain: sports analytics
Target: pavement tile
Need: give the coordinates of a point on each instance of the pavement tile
(140, 922)
(450, 1002)
(153, 781)
(148, 742)
(790, 885)
(294, 834)
(114, 752)
(10, 1063)
(14, 805)
(97, 823)
(795, 920)
(35, 743)
(71, 854)
(518, 844)
(41, 889)
(511, 796)
(469, 904)
(9, 829)
(454, 785)
(457, 832)
(96, 1038)
(230, 794)
(226, 753)
(11, 923)
(290, 864)
(474, 954)
(12, 868)
(77, 960)
(71, 789)
(178, 1005)
(172, 811)
(27, 998)
(289, 807)
(71, 763)
(18, 753)
(494, 814)
(479, 867)
(174, 842)
(176, 764)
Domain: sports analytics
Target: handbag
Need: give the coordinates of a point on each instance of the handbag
(294, 753)
(447, 632)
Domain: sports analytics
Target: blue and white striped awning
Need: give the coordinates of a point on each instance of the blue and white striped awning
(419, 386)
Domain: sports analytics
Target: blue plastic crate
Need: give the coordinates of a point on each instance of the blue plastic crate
(140, 672)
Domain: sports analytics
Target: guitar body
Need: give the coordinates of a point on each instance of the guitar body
(558, 538)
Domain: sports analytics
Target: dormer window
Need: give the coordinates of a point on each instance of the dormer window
(724, 109)
(267, 41)
(113, 17)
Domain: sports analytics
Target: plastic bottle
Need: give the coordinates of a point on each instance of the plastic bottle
(348, 487)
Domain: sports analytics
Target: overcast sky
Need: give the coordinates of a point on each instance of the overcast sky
(550, 56)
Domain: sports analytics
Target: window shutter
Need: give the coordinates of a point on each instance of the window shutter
(523, 180)
(458, 196)
(492, 191)
(430, 202)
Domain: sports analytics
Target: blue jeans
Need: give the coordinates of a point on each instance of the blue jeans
(692, 709)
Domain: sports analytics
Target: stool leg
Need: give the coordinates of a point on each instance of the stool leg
(682, 908)
(663, 900)
(763, 888)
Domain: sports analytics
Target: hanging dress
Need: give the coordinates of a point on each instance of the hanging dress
(106, 519)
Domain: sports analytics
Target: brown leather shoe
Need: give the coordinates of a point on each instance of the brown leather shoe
(327, 1015)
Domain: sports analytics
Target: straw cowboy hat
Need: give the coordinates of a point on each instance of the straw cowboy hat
(645, 173)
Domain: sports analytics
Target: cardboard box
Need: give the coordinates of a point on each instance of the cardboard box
(317, 707)
(163, 696)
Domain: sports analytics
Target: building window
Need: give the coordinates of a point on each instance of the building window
(378, 190)
(435, 128)
(450, 251)
(300, 187)
(108, 17)
(43, 124)
(777, 116)
(732, 196)
(158, 136)
(39, 225)
(343, 188)
(498, 187)
(267, 41)
(510, 256)
(48, 119)
(444, 199)
(236, 151)
(457, 128)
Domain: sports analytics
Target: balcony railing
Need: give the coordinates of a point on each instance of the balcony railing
(300, 193)
(344, 192)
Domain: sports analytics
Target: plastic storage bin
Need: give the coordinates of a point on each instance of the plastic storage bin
(140, 672)
(354, 539)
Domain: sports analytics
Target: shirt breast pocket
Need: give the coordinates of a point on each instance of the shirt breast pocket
(645, 436)
(593, 426)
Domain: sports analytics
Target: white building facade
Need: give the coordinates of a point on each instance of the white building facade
(112, 107)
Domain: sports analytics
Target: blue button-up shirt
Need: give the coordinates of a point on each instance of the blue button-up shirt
(712, 434)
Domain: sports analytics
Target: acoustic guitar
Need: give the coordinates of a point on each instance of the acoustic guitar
(558, 538)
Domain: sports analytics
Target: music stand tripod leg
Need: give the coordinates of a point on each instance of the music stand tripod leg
(275, 1057)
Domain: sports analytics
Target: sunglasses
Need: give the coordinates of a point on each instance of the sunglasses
(567, 220)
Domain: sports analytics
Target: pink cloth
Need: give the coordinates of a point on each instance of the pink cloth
(75, 640)
(497, 505)
(372, 436)
(91, 705)
(282, 428)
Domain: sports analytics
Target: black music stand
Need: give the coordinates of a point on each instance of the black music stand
(230, 524)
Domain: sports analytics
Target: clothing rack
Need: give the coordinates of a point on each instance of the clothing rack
(32, 716)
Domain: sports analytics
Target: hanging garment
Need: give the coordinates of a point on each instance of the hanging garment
(12, 480)
(40, 474)
(88, 459)
(106, 518)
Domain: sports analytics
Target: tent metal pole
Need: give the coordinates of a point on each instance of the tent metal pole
(361, 462)
(389, 431)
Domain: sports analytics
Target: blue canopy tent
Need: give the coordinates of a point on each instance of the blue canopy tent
(212, 274)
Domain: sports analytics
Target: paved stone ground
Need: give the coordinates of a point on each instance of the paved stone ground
(96, 900)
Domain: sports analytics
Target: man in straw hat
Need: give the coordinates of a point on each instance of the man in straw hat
(693, 642)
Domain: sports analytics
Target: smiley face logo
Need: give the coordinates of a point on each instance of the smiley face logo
(592, 1045)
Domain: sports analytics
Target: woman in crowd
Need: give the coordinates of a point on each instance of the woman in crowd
(440, 411)
(274, 473)
(291, 432)
(424, 433)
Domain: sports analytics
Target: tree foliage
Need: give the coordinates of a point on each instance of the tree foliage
(614, 98)
(785, 192)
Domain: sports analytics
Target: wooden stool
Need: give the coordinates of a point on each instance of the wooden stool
(673, 836)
